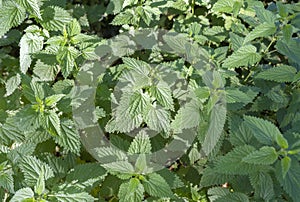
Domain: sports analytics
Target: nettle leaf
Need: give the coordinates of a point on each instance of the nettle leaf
(188, 116)
(263, 185)
(55, 18)
(73, 28)
(122, 167)
(162, 92)
(45, 72)
(68, 137)
(147, 13)
(232, 162)
(123, 121)
(53, 99)
(72, 197)
(125, 17)
(264, 156)
(12, 84)
(30, 43)
(85, 172)
(66, 57)
(262, 30)
(156, 185)
(32, 6)
(223, 6)
(157, 118)
(141, 144)
(39, 188)
(217, 121)
(28, 119)
(263, 130)
(6, 177)
(16, 155)
(236, 41)
(11, 15)
(235, 196)
(32, 167)
(236, 95)
(290, 48)
(244, 56)
(116, 6)
(285, 165)
(264, 15)
(131, 191)
(240, 136)
(139, 102)
(23, 194)
(280, 73)
(290, 182)
(52, 123)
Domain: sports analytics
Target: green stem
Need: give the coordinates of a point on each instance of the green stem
(193, 7)
(270, 44)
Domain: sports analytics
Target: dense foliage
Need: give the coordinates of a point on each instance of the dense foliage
(244, 100)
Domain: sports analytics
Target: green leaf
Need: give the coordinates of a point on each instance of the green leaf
(235, 196)
(11, 15)
(28, 119)
(282, 9)
(85, 172)
(263, 156)
(16, 155)
(162, 92)
(244, 56)
(52, 123)
(157, 118)
(116, 6)
(30, 43)
(263, 185)
(156, 185)
(132, 191)
(216, 124)
(122, 167)
(6, 178)
(262, 30)
(67, 135)
(287, 32)
(73, 28)
(285, 165)
(66, 57)
(39, 188)
(125, 17)
(12, 84)
(72, 197)
(232, 162)
(53, 99)
(290, 183)
(139, 102)
(223, 6)
(290, 48)
(44, 71)
(32, 6)
(55, 18)
(282, 142)
(265, 15)
(264, 131)
(236, 41)
(236, 95)
(141, 144)
(280, 73)
(32, 168)
(188, 116)
(22, 195)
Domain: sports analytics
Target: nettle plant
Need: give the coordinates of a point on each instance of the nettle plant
(253, 151)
